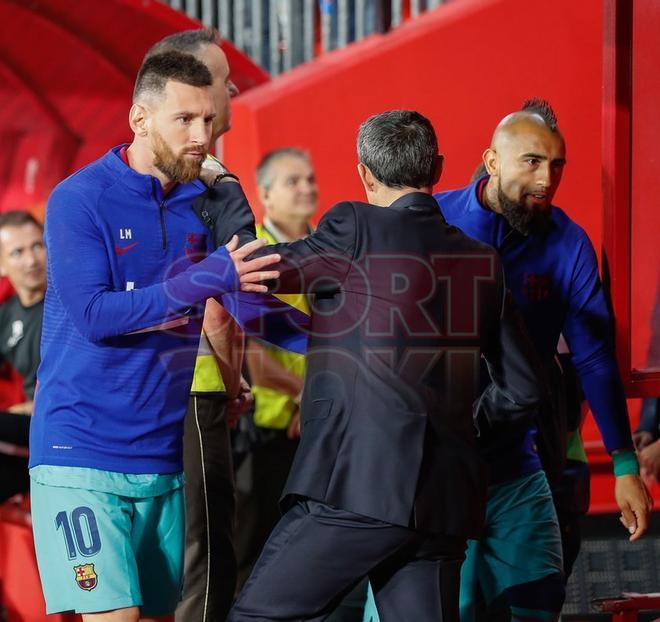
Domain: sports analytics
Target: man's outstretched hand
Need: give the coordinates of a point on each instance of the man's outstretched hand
(635, 504)
(251, 271)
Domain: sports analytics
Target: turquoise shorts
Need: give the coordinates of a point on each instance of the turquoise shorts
(108, 540)
(521, 544)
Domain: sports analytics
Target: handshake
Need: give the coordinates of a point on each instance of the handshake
(252, 272)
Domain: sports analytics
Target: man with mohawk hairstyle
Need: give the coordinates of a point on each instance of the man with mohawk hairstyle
(552, 272)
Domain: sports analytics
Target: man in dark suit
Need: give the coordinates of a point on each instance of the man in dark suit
(387, 481)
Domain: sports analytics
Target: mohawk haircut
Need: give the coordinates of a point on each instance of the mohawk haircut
(186, 41)
(158, 69)
(541, 107)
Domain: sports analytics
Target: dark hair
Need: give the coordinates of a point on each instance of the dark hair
(158, 69)
(541, 107)
(186, 41)
(18, 218)
(400, 148)
(264, 168)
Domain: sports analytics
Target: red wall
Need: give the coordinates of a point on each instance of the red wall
(645, 171)
(464, 65)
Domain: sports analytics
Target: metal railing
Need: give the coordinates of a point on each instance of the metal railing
(280, 34)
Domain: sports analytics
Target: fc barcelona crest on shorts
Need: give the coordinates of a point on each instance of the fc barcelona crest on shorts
(86, 577)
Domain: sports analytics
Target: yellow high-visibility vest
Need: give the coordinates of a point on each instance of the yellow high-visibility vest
(206, 377)
(274, 409)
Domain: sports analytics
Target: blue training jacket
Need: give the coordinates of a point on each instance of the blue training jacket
(555, 283)
(121, 257)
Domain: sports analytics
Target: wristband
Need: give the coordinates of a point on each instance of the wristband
(625, 463)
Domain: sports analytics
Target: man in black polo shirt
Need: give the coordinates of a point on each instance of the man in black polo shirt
(23, 262)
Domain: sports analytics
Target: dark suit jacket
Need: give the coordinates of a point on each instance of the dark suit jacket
(225, 210)
(403, 307)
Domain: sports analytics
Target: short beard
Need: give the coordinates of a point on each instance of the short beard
(523, 219)
(176, 169)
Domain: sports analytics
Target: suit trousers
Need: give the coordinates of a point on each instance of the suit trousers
(210, 563)
(318, 553)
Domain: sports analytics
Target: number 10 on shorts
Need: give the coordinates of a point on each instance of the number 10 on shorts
(81, 532)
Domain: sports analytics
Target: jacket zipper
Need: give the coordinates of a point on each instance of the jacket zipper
(508, 240)
(161, 213)
(161, 207)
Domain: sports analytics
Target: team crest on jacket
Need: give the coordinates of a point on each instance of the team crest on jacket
(536, 287)
(86, 577)
(195, 246)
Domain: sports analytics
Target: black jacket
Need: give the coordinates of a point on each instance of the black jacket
(225, 210)
(403, 307)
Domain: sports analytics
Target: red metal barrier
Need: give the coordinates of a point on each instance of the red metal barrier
(626, 607)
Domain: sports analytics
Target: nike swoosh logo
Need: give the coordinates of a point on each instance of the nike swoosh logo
(122, 249)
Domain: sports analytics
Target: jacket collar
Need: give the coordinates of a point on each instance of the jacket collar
(147, 186)
(418, 202)
(144, 185)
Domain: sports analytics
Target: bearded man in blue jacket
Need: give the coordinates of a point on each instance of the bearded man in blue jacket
(128, 266)
(552, 272)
